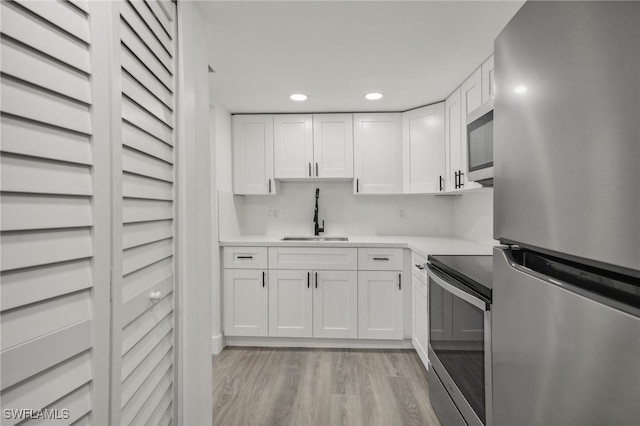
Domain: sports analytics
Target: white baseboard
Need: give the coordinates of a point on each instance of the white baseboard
(217, 344)
(295, 342)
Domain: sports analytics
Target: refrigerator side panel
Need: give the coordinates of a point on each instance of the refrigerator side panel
(567, 130)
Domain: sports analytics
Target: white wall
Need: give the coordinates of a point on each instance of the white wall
(473, 216)
(220, 142)
(344, 213)
(222, 134)
(196, 186)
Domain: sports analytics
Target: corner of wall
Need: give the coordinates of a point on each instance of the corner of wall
(473, 216)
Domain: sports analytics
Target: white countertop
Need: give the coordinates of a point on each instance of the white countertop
(422, 245)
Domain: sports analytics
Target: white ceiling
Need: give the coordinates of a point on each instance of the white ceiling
(415, 52)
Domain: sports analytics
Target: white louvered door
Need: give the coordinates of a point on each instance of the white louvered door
(54, 318)
(143, 225)
(87, 212)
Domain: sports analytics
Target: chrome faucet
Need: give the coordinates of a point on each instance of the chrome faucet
(316, 221)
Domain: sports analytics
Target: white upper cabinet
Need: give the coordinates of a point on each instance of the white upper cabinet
(293, 146)
(423, 149)
(313, 146)
(377, 153)
(487, 81)
(471, 94)
(470, 100)
(456, 141)
(333, 146)
(253, 154)
(453, 140)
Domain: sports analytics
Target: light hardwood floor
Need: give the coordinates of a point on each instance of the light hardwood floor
(304, 387)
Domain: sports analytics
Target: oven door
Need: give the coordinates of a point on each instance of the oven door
(460, 347)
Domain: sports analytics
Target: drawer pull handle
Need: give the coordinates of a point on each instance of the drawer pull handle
(245, 257)
(263, 278)
(400, 281)
(316, 280)
(380, 258)
(309, 276)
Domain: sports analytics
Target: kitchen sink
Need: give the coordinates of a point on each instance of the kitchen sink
(315, 239)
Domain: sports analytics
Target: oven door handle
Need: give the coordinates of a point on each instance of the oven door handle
(478, 303)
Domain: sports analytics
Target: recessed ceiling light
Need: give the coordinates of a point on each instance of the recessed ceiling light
(373, 96)
(298, 97)
(520, 90)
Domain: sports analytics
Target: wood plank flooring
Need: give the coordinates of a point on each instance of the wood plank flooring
(305, 387)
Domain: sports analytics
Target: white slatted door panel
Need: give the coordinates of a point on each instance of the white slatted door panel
(143, 348)
(54, 265)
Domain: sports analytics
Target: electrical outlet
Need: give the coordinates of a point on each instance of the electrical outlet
(401, 213)
(273, 213)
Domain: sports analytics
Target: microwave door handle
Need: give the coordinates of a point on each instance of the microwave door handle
(480, 304)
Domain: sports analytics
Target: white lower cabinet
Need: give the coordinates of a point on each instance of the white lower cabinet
(335, 304)
(420, 317)
(246, 302)
(290, 303)
(319, 293)
(313, 303)
(380, 313)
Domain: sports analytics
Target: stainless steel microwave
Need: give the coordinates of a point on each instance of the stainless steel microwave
(480, 145)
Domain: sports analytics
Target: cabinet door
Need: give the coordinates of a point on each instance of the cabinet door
(380, 305)
(335, 304)
(333, 146)
(470, 100)
(253, 154)
(456, 143)
(471, 94)
(423, 149)
(293, 146)
(377, 153)
(420, 319)
(453, 139)
(487, 81)
(290, 303)
(246, 302)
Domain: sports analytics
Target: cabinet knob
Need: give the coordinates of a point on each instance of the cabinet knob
(155, 295)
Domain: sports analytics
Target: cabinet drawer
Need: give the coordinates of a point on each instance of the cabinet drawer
(380, 259)
(245, 257)
(334, 258)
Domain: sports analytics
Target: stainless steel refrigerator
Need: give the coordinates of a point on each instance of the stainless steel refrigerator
(566, 291)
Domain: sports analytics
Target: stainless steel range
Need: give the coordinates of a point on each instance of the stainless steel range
(460, 338)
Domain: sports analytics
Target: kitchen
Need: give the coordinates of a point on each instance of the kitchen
(394, 206)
